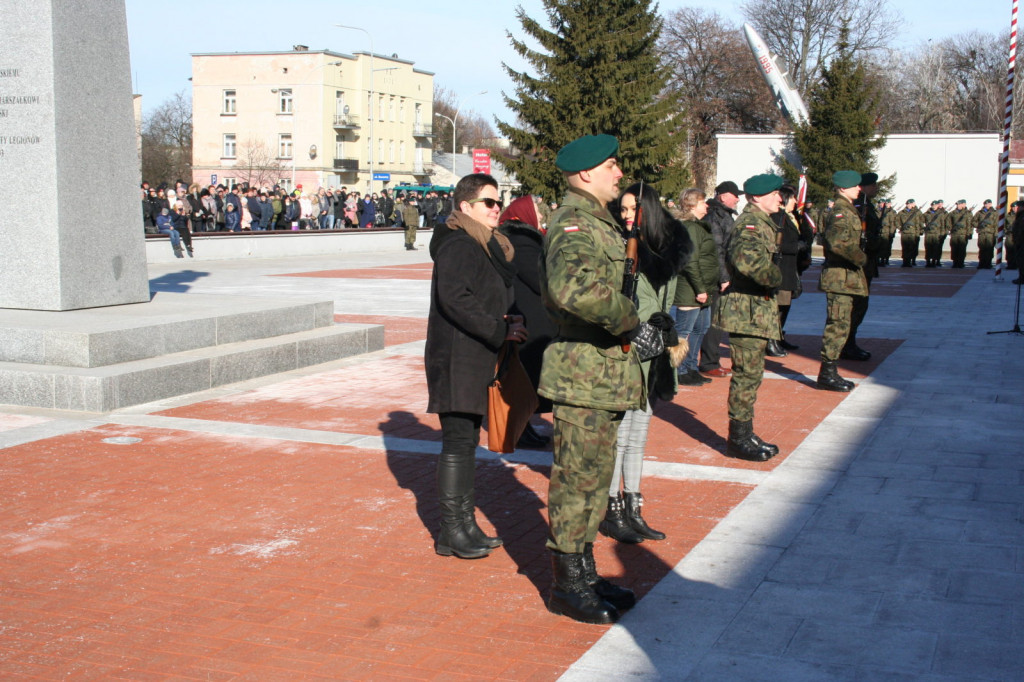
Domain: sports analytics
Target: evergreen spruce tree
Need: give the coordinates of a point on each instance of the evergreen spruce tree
(598, 73)
(841, 134)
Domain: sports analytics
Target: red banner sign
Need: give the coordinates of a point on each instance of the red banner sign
(481, 161)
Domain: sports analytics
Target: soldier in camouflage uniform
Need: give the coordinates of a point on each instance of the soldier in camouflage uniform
(749, 312)
(889, 225)
(1009, 239)
(870, 243)
(960, 223)
(586, 373)
(986, 223)
(936, 227)
(911, 222)
(842, 277)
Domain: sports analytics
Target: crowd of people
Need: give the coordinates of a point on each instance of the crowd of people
(182, 210)
(558, 286)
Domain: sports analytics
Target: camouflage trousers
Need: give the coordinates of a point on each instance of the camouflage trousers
(410, 235)
(986, 249)
(910, 246)
(747, 372)
(584, 455)
(933, 246)
(837, 324)
(958, 249)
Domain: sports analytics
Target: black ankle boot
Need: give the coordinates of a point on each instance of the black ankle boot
(571, 595)
(829, 379)
(743, 444)
(455, 482)
(851, 351)
(633, 503)
(615, 524)
(619, 597)
(472, 529)
(774, 350)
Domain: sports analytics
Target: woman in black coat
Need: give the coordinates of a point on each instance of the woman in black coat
(521, 224)
(470, 295)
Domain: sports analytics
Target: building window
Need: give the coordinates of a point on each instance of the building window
(284, 145)
(229, 182)
(391, 152)
(286, 183)
(230, 103)
(339, 149)
(401, 110)
(230, 146)
(419, 115)
(380, 150)
(401, 152)
(391, 109)
(339, 103)
(284, 101)
(369, 106)
(380, 107)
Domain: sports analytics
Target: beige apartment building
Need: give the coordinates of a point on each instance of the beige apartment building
(311, 118)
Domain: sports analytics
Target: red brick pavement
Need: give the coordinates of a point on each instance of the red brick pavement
(192, 556)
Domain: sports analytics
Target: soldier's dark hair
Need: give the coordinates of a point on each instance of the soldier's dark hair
(469, 187)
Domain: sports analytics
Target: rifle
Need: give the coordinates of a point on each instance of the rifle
(630, 277)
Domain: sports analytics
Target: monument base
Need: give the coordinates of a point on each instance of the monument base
(105, 359)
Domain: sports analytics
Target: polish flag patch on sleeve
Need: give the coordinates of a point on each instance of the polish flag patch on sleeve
(571, 228)
(751, 227)
(839, 215)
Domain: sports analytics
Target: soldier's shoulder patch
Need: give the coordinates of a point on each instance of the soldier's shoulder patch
(839, 215)
(571, 228)
(750, 227)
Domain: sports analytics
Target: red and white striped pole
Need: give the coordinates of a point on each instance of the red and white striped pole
(1004, 160)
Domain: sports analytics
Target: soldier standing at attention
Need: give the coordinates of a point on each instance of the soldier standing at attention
(586, 373)
(749, 312)
(911, 222)
(870, 239)
(959, 232)
(986, 222)
(842, 278)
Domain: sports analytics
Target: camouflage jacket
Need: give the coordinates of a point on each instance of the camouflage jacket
(960, 223)
(843, 272)
(986, 222)
(748, 306)
(936, 223)
(911, 223)
(581, 286)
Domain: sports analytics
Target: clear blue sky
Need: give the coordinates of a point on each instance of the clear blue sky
(464, 43)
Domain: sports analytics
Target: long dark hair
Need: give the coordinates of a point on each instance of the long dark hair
(665, 245)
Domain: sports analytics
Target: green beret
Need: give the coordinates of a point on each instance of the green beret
(987, 201)
(868, 178)
(586, 152)
(935, 203)
(846, 179)
(765, 183)
(962, 201)
(911, 201)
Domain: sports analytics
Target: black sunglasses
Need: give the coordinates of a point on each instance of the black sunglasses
(488, 202)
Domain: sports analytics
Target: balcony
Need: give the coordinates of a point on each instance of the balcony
(346, 121)
(421, 130)
(423, 169)
(346, 165)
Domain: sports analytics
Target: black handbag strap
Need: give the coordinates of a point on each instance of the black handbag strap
(504, 359)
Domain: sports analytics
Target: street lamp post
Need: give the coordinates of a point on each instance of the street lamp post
(454, 122)
(369, 110)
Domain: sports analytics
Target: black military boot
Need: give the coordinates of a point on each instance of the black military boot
(619, 597)
(633, 503)
(615, 524)
(851, 351)
(743, 444)
(472, 529)
(771, 448)
(571, 595)
(454, 538)
(829, 379)
(774, 350)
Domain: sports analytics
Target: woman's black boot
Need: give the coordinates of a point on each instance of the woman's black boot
(633, 503)
(454, 482)
(615, 524)
(469, 519)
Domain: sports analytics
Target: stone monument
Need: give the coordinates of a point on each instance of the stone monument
(71, 232)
